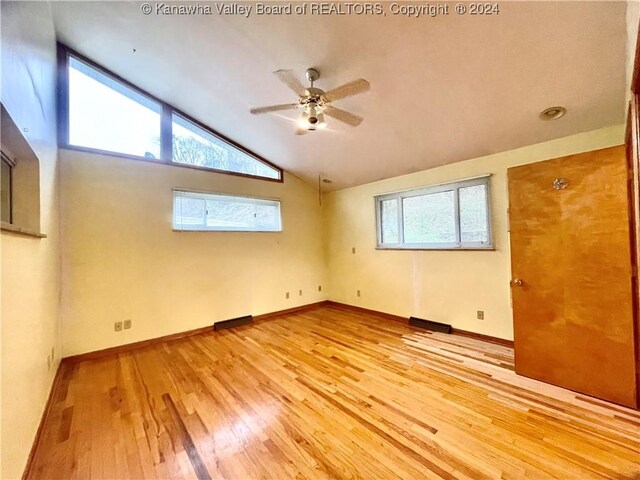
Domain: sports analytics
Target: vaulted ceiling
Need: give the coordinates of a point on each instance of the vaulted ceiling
(443, 89)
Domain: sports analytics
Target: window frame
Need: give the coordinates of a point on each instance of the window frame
(223, 194)
(167, 111)
(454, 186)
(6, 159)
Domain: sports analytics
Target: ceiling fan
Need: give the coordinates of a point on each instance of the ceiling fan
(315, 103)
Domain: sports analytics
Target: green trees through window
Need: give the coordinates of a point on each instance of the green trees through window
(450, 216)
(192, 145)
(218, 212)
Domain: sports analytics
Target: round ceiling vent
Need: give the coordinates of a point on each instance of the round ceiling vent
(553, 113)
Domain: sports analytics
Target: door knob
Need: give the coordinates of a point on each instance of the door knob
(518, 282)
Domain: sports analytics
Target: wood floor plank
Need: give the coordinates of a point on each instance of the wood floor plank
(326, 393)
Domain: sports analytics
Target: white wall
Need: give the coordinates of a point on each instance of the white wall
(29, 266)
(121, 259)
(445, 286)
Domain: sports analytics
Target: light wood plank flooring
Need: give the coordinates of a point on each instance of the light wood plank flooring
(327, 393)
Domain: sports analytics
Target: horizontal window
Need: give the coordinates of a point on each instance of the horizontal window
(103, 113)
(450, 216)
(219, 212)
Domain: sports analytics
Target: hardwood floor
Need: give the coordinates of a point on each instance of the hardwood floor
(326, 393)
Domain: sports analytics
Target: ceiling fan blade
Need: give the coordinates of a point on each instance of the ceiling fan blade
(346, 90)
(290, 80)
(343, 116)
(275, 108)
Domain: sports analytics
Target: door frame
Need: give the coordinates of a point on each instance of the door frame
(632, 142)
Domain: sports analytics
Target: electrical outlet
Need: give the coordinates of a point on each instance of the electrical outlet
(127, 324)
(353, 249)
(319, 288)
(300, 292)
(480, 314)
(117, 326)
(286, 295)
(358, 293)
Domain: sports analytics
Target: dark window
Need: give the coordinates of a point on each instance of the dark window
(5, 189)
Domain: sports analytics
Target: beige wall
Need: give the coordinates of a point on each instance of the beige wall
(633, 16)
(121, 259)
(445, 286)
(29, 266)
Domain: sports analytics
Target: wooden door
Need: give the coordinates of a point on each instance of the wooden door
(571, 274)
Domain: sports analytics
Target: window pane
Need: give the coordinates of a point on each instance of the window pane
(205, 211)
(473, 214)
(106, 115)
(193, 145)
(5, 192)
(230, 213)
(429, 218)
(447, 216)
(389, 219)
(268, 217)
(189, 211)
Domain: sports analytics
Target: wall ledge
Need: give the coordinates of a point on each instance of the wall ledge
(27, 232)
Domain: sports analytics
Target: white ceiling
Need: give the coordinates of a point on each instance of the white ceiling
(443, 89)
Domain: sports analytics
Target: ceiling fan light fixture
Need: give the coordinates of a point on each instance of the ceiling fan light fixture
(312, 117)
(313, 110)
(303, 121)
(322, 124)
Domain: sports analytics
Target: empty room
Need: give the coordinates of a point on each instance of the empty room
(320, 240)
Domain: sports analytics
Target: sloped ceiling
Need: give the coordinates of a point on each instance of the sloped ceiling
(443, 89)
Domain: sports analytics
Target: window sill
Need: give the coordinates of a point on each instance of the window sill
(159, 161)
(224, 231)
(9, 227)
(443, 249)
